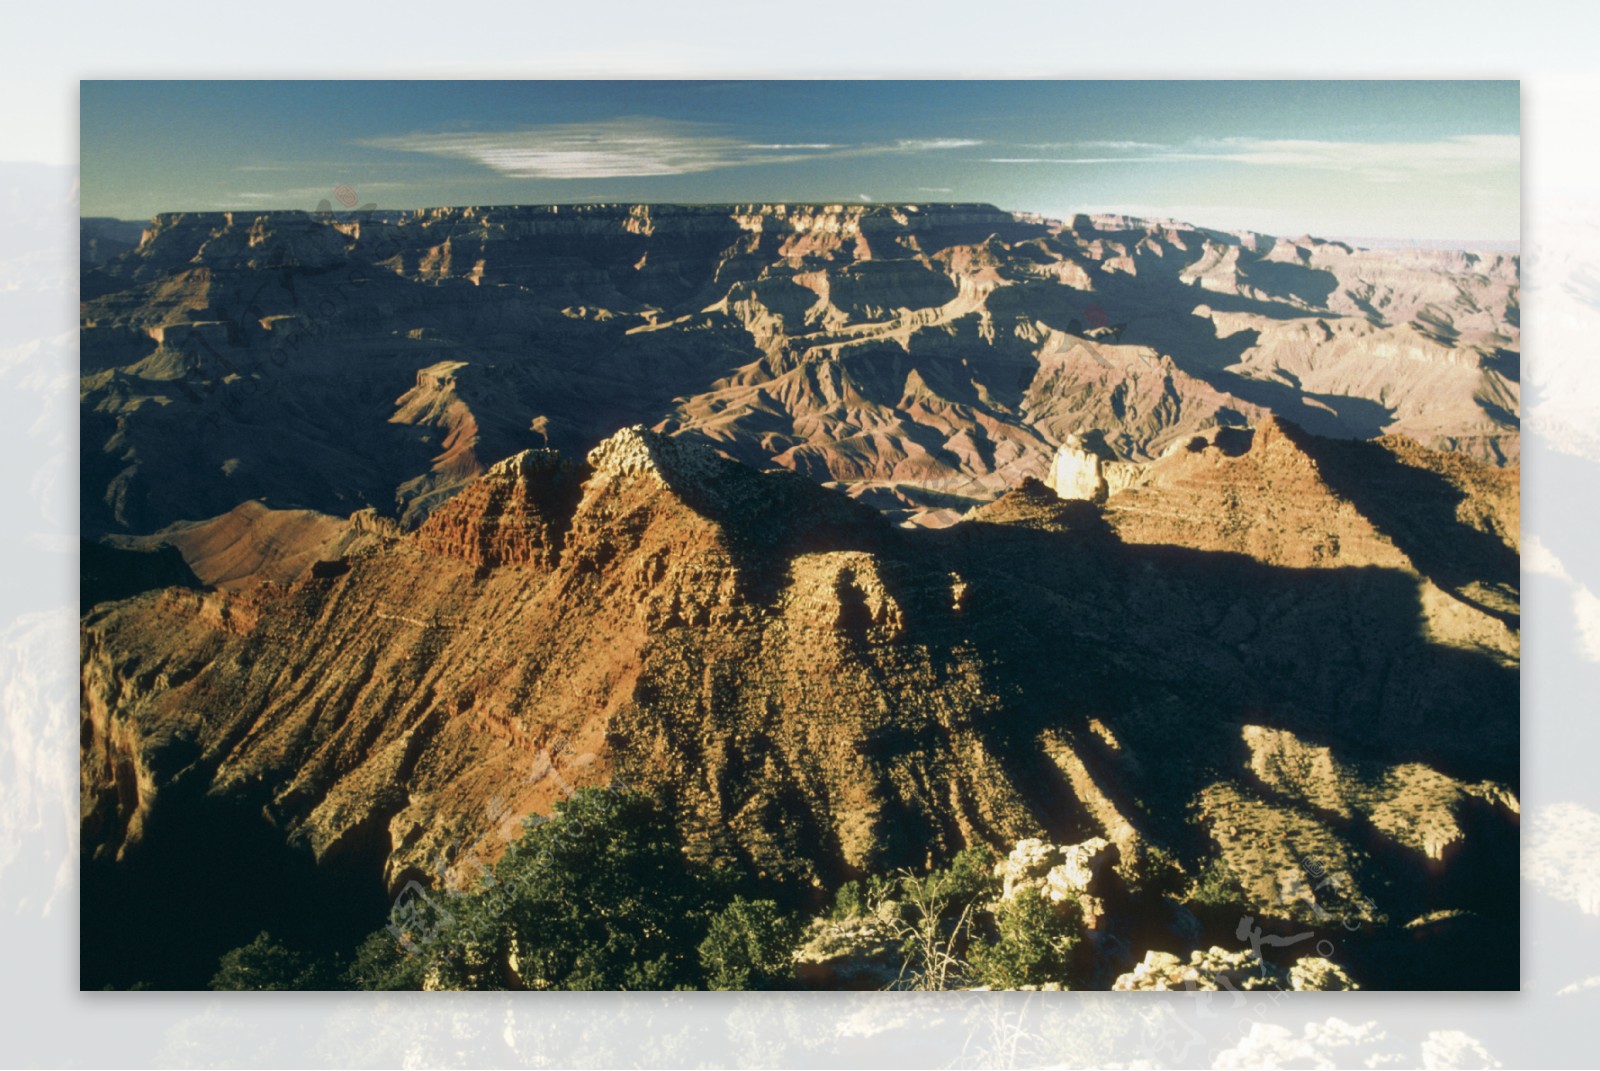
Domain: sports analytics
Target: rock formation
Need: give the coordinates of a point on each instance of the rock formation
(1076, 874)
(1083, 469)
(1218, 969)
(861, 952)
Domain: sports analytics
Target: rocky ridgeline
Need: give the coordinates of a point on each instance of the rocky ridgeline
(514, 515)
(280, 239)
(671, 462)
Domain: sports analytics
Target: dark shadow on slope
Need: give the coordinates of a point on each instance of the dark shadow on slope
(1177, 648)
(107, 572)
(140, 922)
(1310, 285)
(1416, 508)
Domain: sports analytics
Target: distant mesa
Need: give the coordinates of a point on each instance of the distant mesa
(923, 357)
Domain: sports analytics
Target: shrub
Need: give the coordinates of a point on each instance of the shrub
(598, 897)
(936, 916)
(1153, 871)
(381, 964)
(857, 898)
(1217, 886)
(749, 945)
(969, 880)
(1034, 943)
(266, 964)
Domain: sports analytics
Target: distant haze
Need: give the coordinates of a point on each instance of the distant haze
(1413, 160)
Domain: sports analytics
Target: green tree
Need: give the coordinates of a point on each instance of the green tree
(598, 897)
(1034, 943)
(749, 945)
(969, 879)
(267, 964)
(380, 963)
(1217, 886)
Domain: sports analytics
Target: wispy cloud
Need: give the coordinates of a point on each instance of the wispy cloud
(297, 196)
(630, 148)
(927, 144)
(1117, 146)
(781, 148)
(1377, 160)
(1084, 159)
(1465, 154)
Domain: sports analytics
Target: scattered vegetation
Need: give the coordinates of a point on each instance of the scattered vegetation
(936, 920)
(602, 896)
(1217, 886)
(956, 930)
(1154, 871)
(855, 899)
(1033, 945)
(749, 945)
(266, 964)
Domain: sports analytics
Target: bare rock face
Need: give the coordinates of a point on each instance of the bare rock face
(1084, 470)
(924, 358)
(1081, 869)
(1075, 473)
(1026, 866)
(514, 515)
(1074, 874)
(1315, 974)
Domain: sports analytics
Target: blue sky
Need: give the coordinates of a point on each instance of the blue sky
(1394, 160)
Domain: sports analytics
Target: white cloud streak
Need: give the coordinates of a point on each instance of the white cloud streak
(934, 144)
(1391, 161)
(631, 148)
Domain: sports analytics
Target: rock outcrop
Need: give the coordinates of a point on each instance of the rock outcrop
(1084, 470)
(1217, 968)
(1076, 874)
(514, 515)
(862, 952)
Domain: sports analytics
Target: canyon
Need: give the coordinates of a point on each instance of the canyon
(857, 535)
(924, 358)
